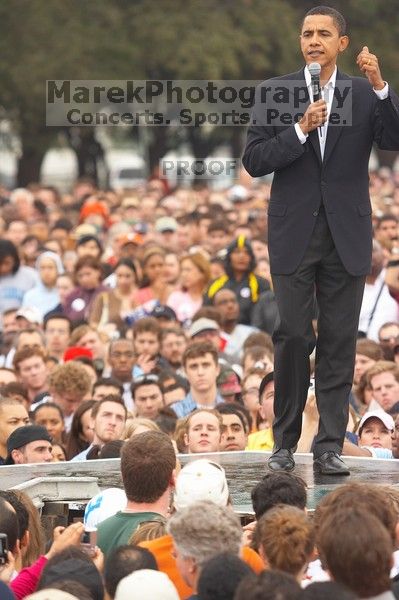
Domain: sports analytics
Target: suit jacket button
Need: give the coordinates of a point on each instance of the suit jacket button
(315, 213)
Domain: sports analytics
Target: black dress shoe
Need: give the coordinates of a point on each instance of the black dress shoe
(281, 460)
(330, 463)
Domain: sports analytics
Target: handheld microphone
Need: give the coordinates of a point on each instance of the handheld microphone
(314, 70)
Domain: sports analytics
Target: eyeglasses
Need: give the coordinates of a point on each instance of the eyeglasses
(250, 391)
(127, 354)
(150, 378)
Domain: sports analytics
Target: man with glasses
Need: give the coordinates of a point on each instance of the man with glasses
(121, 359)
(147, 396)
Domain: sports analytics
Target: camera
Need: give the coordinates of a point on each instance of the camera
(88, 541)
(3, 548)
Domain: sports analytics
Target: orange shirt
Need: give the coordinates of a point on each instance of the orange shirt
(162, 548)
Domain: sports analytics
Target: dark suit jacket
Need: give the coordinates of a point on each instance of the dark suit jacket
(302, 181)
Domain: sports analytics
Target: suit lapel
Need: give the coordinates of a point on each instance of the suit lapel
(314, 140)
(342, 85)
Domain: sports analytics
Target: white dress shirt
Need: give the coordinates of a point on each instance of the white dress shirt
(327, 93)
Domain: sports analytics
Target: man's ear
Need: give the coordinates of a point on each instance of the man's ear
(343, 43)
(16, 455)
(173, 477)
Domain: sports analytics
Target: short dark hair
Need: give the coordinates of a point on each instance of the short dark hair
(148, 452)
(9, 523)
(61, 316)
(7, 248)
(110, 398)
(111, 449)
(126, 262)
(232, 408)
(278, 488)
(143, 380)
(74, 564)
(120, 339)
(357, 550)
(327, 590)
(147, 325)
(198, 349)
(384, 218)
(269, 585)
(26, 353)
(218, 226)
(173, 330)
(88, 261)
(166, 420)
(372, 498)
(108, 381)
(221, 575)
(337, 17)
(124, 560)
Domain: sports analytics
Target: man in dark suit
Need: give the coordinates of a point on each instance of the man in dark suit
(320, 230)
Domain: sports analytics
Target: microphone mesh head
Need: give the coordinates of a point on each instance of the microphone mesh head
(314, 69)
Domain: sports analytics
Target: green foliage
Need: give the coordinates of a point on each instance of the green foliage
(177, 39)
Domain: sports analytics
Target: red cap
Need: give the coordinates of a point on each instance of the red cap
(77, 352)
(93, 207)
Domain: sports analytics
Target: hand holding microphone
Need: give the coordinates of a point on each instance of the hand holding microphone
(316, 113)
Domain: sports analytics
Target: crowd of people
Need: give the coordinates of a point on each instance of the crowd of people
(139, 325)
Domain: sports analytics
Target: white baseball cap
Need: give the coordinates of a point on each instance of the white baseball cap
(51, 594)
(31, 314)
(201, 480)
(104, 505)
(146, 584)
(378, 414)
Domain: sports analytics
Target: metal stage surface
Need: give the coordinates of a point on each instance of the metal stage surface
(243, 469)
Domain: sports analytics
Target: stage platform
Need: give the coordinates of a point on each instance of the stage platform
(243, 469)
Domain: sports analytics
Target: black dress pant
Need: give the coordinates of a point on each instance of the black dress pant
(339, 298)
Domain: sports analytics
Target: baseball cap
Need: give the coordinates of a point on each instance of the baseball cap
(201, 325)
(228, 382)
(201, 480)
(165, 224)
(83, 230)
(384, 417)
(265, 381)
(24, 435)
(51, 594)
(131, 238)
(146, 584)
(237, 193)
(76, 352)
(162, 311)
(103, 505)
(130, 202)
(31, 314)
